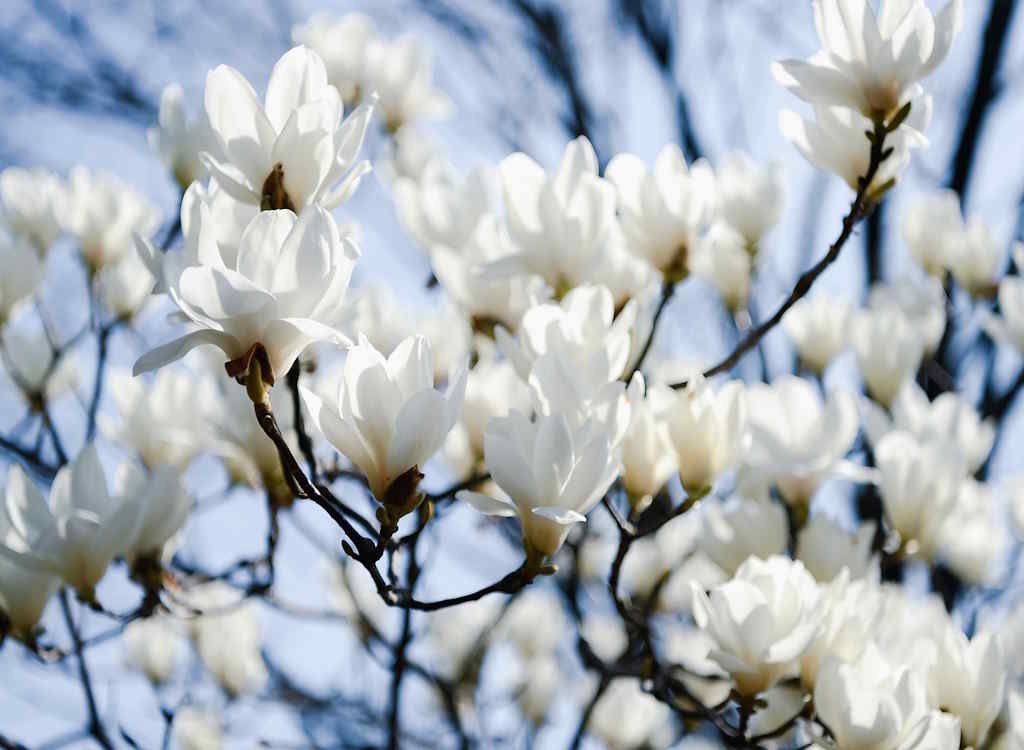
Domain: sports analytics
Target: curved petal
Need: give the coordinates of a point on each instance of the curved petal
(285, 338)
(239, 123)
(162, 355)
(298, 78)
(490, 506)
(418, 431)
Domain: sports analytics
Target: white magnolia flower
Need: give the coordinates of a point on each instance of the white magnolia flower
(919, 482)
(798, 439)
(708, 431)
(558, 223)
(154, 646)
(850, 615)
(835, 142)
(750, 195)
(178, 141)
(761, 620)
(534, 623)
(950, 418)
(281, 292)
(553, 476)
(341, 42)
(24, 591)
(648, 455)
(819, 329)
(663, 211)
(923, 304)
(826, 549)
(977, 259)
(31, 200)
(438, 209)
(743, 528)
(968, 680)
(195, 729)
(872, 63)
(124, 285)
(388, 419)
(871, 705)
(973, 539)
(627, 276)
(23, 271)
(1008, 327)
(456, 635)
(400, 72)
(721, 259)
(932, 225)
(628, 717)
(407, 153)
(102, 214)
(540, 686)
(889, 350)
(29, 361)
(164, 505)
(291, 151)
(228, 638)
(79, 533)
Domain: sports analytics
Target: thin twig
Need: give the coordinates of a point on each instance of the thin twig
(95, 725)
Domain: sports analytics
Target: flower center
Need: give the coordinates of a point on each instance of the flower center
(274, 196)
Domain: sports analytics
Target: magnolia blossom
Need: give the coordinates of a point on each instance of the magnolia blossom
(720, 257)
(291, 151)
(535, 623)
(827, 549)
(627, 717)
(178, 141)
(798, 439)
(871, 62)
(558, 223)
(1008, 327)
(743, 528)
(438, 210)
(164, 504)
(923, 304)
(289, 277)
(750, 195)
(932, 225)
(79, 533)
(399, 71)
(664, 210)
(195, 729)
(889, 350)
(388, 419)
(648, 455)
(23, 271)
(228, 639)
(850, 613)
(761, 620)
(553, 476)
(973, 540)
(341, 42)
(968, 680)
(977, 258)
(125, 285)
(24, 591)
(708, 430)
(30, 363)
(626, 276)
(819, 329)
(31, 200)
(154, 646)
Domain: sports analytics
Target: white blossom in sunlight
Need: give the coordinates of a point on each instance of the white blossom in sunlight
(164, 503)
(439, 209)
(932, 225)
(281, 292)
(741, 528)
(388, 418)
(968, 680)
(406, 154)
(224, 217)
(458, 635)
(400, 72)
(534, 623)
(973, 541)
(889, 350)
(79, 533)
(627, 717)
(1008, 327)
(178, 140)
(819, 329)
(922, 303)
(292, 150)
(154, 646)
(102, 213)
(850, 612)
(977, 259)
(195, 729)
(835, 142)
(553, 476)
(541, 685)
(708, 430)
(24, 591)
(826, 549)
(29, 361)
(228, 638)
(798, 438)
(761, 620)
(872, 63)
(341, 42)
(31, 201)
(23, 271)
(919, 482)
(624, 274)
(124, 285)
(648, 455)
(720, 257)
(662, 211)
(950, 418)
(870, 704)
(751, 195)
(558, 223)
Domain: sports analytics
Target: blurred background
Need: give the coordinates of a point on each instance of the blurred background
(80, 83)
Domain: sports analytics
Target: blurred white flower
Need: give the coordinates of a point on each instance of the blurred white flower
(164, 505)
(406, 154)
(400, 72)
(923, 304)
(291, 151)
(553, 476)
(228, 639)
(761, 620)
(977, 258)
(625, 275)
(872, 63)
(932, 225)
(973, 540)
(388, 419)
(627, 717)
(456, 635)
(534, 622)
(438, 209)
(741, 528)
(195, 729)
(751, 195)
(826, 549)
(558, 223)
(968, 680)
(281, 292)
(341, 42)
(31, 201)
(178, 141)
(850, 612)
(720, 257)
(708, 431)
(542, 682)
(154, 646)
(23, 271)
(798, 439)
(605, 635)
(648, 454)
(819, 329)
(1008, 327)
(124, 285)
(24, 591)
(79, 533)
(662, 211)
(889, 350)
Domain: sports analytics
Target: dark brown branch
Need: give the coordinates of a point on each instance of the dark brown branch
(667, 289)
(96, 729)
